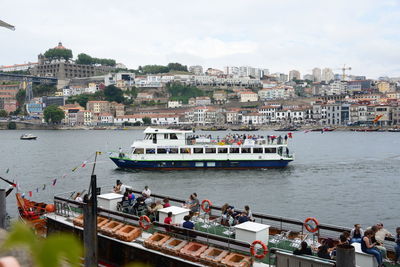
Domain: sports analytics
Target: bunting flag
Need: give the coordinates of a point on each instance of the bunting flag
(54, 181)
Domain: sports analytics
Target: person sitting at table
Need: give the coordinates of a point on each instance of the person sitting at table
(304, 249)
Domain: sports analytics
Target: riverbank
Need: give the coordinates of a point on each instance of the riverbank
(22, 125)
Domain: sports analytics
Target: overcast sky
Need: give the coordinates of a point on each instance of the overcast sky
(278, 35)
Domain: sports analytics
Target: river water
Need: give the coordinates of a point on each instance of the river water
(340, 178)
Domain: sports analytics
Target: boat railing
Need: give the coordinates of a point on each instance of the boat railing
(63, 209)
(67, 207)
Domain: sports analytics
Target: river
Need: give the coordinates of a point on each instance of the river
(340, 178)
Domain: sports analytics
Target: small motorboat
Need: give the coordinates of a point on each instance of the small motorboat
(28, 137)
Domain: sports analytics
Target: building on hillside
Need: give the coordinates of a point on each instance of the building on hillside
(203, 101)
(213, 72)
(18, 67)
(294, 75)
(61, 69)
(98, 106)
(117, 109)
(327, 75)
(85, 118)
(248, 96)
(316, 73)
(384, 87)
(156, 118)
(196, 70)
(220, 97)
(254, 118)
(53, 101)
(8, 93)
(174, 104)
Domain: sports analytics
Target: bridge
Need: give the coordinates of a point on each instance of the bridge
(27, 78)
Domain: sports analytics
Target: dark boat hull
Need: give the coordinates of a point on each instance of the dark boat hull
(199, 164)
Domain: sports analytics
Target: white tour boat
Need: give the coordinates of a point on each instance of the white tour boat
(169, 149)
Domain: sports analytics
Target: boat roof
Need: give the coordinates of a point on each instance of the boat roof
(160, 130)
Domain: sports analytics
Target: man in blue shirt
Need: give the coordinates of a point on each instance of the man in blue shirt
(187, 223)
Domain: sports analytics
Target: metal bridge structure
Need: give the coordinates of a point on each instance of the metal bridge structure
(27, 81)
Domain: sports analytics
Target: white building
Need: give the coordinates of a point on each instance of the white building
(174, 104)
(316, 72)
(197, 69)
(294, 74)
(248, 96)
(327, 75)
(156, 118)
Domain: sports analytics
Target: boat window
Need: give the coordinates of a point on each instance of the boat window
(148, 137)
(257, 150)
(210, 150)
(210, 164)
(246, 150)
(280, 150)
(173, 136)
(233, 150)
(199, 164)
(234, 164)
(270, 150)
(138, 151)
(162, 164)
(222, 150)
(185, 150)
(198, 150)
(161, 151)
(165, 136)
(150, 151)
(172, 151)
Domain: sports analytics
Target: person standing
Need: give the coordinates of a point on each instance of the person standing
(356, 234)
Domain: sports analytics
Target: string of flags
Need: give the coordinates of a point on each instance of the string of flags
(54, 181)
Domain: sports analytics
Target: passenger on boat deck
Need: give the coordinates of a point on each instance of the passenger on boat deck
(356, 234)
(369, 247)
(397, 246)
(323, 252)
(343, 240)
(146, 192)
(166, 203)
(117, 187)
(85, 198)
(249, 213)
(378, 245)
(192, 203)
(304, 249)
(242, 217)
(130, 195)
(152, 210)
(78, 197)
(187, 223)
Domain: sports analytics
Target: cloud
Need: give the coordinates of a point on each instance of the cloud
(279, 35)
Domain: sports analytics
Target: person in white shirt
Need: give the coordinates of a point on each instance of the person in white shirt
(78, 197)
(146, 192)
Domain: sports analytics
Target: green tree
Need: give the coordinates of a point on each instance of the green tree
(113, 93)
(53, 114)
(58, 54)
(3, 113)
(80, 99)
(182, 92)
(177, 67)
(43, 89)
(84, 59)
(146, 121)
(154, 69)
(11, 125)
(21, 97)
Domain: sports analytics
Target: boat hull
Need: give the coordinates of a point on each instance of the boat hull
(199, 164)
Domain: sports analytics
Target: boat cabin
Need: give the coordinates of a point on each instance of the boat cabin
(164, 137)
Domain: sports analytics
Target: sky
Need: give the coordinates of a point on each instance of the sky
(276, 35)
